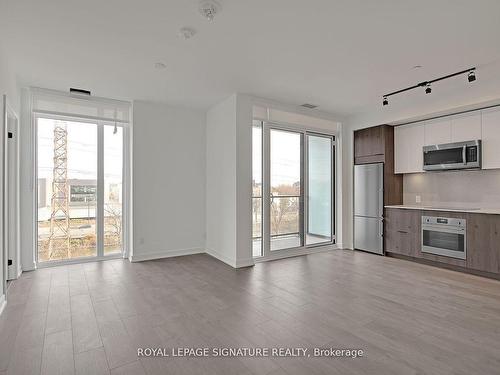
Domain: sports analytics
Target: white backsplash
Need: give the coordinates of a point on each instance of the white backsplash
(466, 189)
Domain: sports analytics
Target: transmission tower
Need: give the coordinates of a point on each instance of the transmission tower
(59, 240)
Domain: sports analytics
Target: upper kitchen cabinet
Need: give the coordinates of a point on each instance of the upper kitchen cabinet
(376, 145)
(438, 131)
(408, 143)
(466, 127)
(369, 145)
(490, 136)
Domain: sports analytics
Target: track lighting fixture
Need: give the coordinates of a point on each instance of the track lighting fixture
(471, 76)
(115, 130)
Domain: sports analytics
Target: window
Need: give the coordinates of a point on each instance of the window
(80, 179)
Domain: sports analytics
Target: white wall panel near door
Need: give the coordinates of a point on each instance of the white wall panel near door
(438, 131)
(490, 136)
(466, 127)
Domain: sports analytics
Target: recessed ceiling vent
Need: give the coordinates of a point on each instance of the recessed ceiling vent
(309, 106)
(74, 91)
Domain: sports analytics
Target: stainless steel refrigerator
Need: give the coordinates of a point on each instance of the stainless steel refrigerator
(369, 207)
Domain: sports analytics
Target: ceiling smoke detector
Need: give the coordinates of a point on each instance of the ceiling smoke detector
(309, 106)
(187, 32)
(209, 8)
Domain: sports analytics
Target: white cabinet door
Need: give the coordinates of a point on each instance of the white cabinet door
(491, 138)
(400, 149)
(416, 136)
(438, 131)
(408, 143)
(466, 127)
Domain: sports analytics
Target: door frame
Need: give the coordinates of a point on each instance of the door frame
(12, 203)
(267, 254)
(100, 124)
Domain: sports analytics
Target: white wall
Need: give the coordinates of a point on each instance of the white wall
(168, 181)
(229, 181)
(221, 181)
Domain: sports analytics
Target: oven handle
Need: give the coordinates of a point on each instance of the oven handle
(443, 229)
(464, 154)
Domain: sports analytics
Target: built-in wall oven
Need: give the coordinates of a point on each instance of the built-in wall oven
(459, 155)
(444, 236)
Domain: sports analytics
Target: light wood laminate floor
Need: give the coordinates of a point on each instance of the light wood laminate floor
(408, 318)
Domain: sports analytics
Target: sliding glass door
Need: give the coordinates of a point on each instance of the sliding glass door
(293, 189)
(79, 189)
(319, 189)
(286, 210)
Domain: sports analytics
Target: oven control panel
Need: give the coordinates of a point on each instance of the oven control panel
(445, 221)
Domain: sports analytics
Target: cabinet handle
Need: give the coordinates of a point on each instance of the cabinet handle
(402, 231)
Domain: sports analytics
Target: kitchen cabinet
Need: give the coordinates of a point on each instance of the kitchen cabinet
(483, 242)
(438, 131)
(410, 139)
(403, 237)
(408, 143)
(402, 231)
(369, 145)
(466, 127)
(490, 129)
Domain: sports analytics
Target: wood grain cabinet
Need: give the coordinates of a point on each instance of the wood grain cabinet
(403, 237)
(483, 242)
(402, 231)
(369, 144)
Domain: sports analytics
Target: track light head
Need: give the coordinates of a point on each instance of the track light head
(428, 88)
(385, 101)
(472, 76)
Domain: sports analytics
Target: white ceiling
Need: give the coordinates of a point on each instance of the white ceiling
(339, 54)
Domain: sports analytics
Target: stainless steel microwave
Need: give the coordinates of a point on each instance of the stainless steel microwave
(459, 155)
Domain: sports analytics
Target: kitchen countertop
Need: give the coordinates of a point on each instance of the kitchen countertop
(492, 211)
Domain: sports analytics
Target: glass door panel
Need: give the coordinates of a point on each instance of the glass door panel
(285, 211)
(257, 189)
(67, 189)
(319, 189)
(113, 189)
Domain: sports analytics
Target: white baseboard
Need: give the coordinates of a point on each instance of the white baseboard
(165, 254)
(3, 303)
(231, 261)
(31, 267)
(241, 263)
